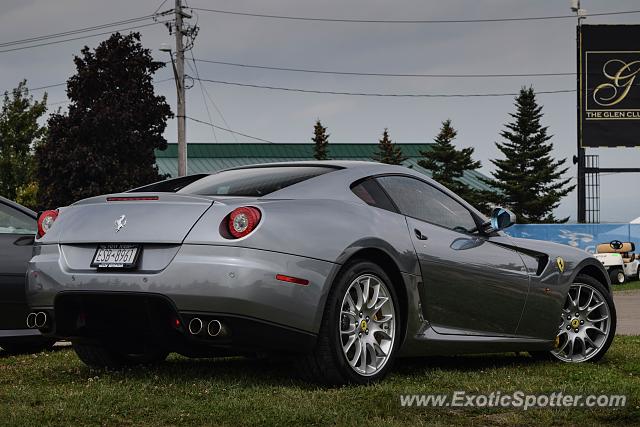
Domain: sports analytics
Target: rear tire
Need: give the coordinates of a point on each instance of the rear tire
(356, 343)
(101, 356)
(617, 276)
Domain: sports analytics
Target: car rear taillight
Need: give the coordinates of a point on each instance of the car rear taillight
(243, 221)
(45, 222)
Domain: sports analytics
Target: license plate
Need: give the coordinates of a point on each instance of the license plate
(116, 256)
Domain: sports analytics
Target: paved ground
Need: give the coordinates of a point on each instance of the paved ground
(628, 309)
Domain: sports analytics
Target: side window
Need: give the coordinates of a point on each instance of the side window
(13, 221)
(372, 194)
(419, 200)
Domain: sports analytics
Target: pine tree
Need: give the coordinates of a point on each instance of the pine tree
(528, 178)
(106, 141)
(448, 164)
(388, 152)
(19, 132)
(321, 141)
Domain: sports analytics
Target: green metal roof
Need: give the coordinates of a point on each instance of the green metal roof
(215, 157)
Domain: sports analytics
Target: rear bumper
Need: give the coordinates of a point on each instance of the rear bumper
(19, 333)
(220, 280)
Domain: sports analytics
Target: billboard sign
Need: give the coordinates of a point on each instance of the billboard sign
(609, 78)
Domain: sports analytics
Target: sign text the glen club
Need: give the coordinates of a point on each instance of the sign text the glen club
(609, 65)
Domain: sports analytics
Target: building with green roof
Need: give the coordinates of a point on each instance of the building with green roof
(215, 157)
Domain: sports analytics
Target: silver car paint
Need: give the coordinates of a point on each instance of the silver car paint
(203, 278)
(309, 230)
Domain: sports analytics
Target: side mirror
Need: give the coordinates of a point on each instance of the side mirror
(502, 218)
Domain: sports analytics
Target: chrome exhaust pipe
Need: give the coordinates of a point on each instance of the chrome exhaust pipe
(41, 319)
(195, 326)
(31, 320)
(216, 329)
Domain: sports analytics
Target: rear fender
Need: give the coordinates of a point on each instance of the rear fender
(327, 230)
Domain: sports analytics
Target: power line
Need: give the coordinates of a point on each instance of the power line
(231, 131)
(76, 31)
(407, 21)
(64, 84)
(29, 89)
(205, 91)
(395, 95)
(78, 38)
(204, 100)
(354, 73)
(58, 103)
(47, 87)
(159, 7)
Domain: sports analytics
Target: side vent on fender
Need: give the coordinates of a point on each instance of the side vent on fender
(543, 260)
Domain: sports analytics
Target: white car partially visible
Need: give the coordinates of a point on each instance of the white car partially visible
(619, 260)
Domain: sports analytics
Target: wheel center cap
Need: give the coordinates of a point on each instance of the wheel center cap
(363, 325)
(575, 323)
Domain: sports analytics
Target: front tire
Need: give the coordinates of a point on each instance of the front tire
(102, 356)
(588, 323)
(360, 330)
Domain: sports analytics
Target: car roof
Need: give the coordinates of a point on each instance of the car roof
(341, 164)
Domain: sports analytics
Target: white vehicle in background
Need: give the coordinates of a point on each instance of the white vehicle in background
(619, 260)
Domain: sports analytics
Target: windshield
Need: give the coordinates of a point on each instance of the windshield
(253, 182)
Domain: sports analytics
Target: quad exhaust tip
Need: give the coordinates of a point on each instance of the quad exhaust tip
(195, 326)
(36, 320)
(216, 329)
(31, 320)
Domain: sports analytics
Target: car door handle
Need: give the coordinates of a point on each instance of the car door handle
(419, 234)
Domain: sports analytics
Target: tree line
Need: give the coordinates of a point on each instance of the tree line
(528, 180)
(106, 140)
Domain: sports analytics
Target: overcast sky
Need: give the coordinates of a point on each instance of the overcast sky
(466, 48)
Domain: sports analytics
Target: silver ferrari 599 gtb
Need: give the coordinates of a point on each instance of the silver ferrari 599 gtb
(346, 265)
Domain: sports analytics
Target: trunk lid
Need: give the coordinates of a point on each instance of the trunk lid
(130, 218)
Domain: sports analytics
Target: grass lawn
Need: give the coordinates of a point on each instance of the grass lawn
(628, 286)
(54, 388)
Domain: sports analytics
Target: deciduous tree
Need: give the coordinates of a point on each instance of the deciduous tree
(106, 141)
(19, 132)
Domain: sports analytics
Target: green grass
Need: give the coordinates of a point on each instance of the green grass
(54, 388)
(629, 286)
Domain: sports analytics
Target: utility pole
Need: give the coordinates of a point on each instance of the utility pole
(190, 32)
(180, 88)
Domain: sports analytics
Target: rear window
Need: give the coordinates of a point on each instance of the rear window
(169, 185)
(253, 182)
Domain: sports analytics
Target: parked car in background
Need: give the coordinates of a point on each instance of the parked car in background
(619, 260)
(343, 265)
(18, 227)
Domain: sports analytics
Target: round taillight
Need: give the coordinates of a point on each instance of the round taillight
(243, 221)
(45, 222)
